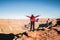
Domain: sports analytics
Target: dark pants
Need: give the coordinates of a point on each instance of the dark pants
(32, 26)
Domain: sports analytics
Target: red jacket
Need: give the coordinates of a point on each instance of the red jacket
(33, 19)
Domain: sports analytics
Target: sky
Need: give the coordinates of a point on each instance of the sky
(18, 9)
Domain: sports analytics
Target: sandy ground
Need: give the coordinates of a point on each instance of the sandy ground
(16, 26)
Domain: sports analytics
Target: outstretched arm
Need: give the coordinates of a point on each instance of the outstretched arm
(37, 16)
(28, 16)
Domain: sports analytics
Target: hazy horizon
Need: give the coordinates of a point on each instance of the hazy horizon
(18, 9)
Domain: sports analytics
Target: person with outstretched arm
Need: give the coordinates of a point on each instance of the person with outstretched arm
(32, 21)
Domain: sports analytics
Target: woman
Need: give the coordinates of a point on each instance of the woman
(32, 21)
